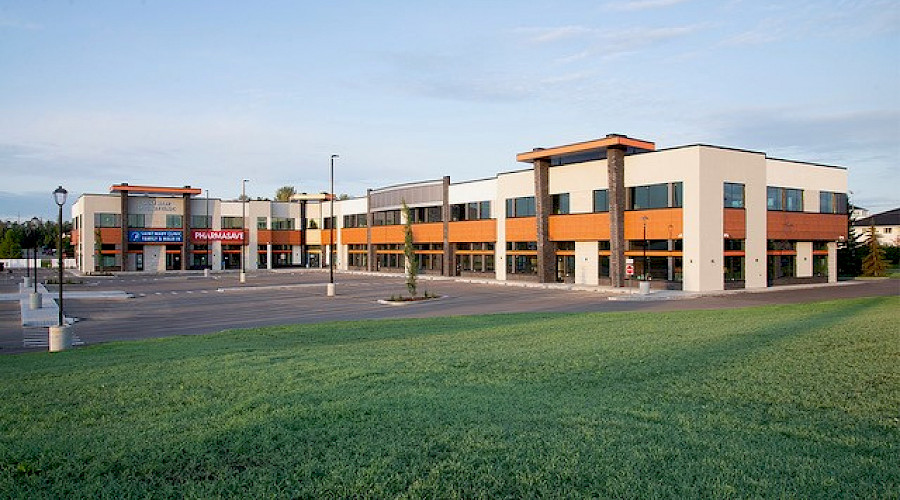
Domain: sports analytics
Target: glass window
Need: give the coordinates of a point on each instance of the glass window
(173, 221)
(198, 221)
(793, 200)
(734, 195)
(774, 198)
(136, 220)
(471, 211)
(826, 202)
(520, 207)
(484, 210)
(677, 194)
(434, 214)
(282, 223)
(232, 222)
(560, 203)
(601, 200)
(107, 220)
(653, 196)
(260, 223)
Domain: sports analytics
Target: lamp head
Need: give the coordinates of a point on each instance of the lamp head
(60, 196)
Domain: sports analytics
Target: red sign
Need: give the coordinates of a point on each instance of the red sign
(216, 235)
(629, 269)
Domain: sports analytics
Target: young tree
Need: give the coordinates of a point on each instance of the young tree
(10, 248)
(874, 263)
(409, 251)
(284, 193)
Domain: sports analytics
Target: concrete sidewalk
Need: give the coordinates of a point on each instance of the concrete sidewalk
(48, 314)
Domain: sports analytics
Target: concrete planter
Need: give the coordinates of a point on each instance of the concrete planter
(61, 337)
(35, 301)
(26, 282)
(643, 287)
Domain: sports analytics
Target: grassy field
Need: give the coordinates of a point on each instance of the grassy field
(789, 401)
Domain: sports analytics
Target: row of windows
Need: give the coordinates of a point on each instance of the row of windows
(784, 199)
(474, 210)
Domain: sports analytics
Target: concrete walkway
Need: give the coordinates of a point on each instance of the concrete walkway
(48, 314)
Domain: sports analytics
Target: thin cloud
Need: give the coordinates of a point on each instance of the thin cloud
(641, 5)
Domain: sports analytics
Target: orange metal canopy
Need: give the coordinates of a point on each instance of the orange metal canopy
(579, 147)
(118, 188)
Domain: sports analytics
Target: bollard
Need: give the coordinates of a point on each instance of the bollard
(26, 282)
(35, 300)
(61, 337)
(331, 289)
(243, 277)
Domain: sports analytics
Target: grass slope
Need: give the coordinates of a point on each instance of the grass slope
(786, 401)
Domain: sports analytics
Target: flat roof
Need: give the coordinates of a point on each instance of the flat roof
(125, 188)
(580, 147)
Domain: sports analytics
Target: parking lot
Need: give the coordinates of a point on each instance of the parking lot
(188, 304)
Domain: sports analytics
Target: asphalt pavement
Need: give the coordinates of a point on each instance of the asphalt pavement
(190, 304)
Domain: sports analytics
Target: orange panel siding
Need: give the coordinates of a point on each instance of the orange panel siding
(353, 236)
(474, 231)
(387, 234)
(74, 234)
(521, 229)
(579, 227)
(285, 237)
(805, 226)
(263, 236)
(662, 224)
(111, 235)
(432, 232)
(735, 223)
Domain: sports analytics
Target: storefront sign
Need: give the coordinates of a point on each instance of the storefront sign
(151, 205)
(217, 235)
(154, 236)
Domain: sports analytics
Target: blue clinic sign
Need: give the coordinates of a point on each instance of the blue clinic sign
(154, 236)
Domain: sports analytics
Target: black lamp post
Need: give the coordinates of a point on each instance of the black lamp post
(208, 229)
(644, 219)
(59, 196)
(243, 227)
(35, 224)
(331, 233)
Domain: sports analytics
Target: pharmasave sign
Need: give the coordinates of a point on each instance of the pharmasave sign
(223, 235)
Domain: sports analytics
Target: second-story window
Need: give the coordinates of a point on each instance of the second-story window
(734, 195)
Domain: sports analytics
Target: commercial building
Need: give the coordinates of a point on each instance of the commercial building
(600, 212)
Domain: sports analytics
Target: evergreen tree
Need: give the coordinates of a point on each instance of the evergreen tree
(409, 251)
(874, 263)
(849, 253)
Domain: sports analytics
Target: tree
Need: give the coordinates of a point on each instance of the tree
(10, 247)
(874, 263)
(849, 253)
(284, 193)
(409, 251)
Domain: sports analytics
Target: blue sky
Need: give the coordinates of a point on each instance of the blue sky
(94, 93)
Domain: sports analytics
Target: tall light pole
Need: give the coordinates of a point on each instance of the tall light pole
(331, 234)
(35, 224)
(61, 334)
(243, 227)
(208, 262)
(644, 218)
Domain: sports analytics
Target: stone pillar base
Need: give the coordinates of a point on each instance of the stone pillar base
(330, 290)
(35, 300)
(61, 337)
(26, 282)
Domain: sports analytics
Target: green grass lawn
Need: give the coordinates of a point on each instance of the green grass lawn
(789, 401)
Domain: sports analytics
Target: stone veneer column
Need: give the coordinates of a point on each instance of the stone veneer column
(124, 210)
(615, 164)
(542, 204)
(370, 220)
(447, 269)
(186, 232)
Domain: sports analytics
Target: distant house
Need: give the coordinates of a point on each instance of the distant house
(887, 227)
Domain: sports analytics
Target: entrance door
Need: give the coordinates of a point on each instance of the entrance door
(139, 261)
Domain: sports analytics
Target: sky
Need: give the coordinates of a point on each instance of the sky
(203, 93)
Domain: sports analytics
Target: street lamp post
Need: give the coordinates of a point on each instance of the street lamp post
(61, 334)
(644, 219)
(208, 262)
(331, 234)
(243, 228)
(34, 301)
